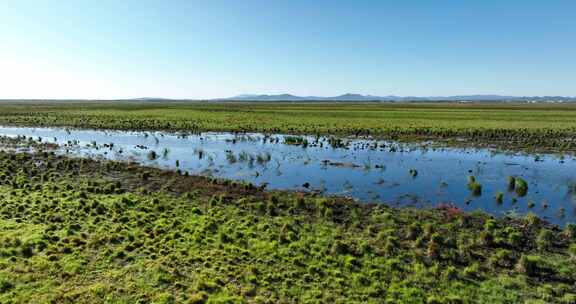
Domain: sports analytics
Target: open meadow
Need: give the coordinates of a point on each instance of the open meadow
(521, 126)
(160, 214)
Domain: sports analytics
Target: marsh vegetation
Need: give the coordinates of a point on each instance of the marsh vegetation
(527, 127)
(78, 230)
(309, 210)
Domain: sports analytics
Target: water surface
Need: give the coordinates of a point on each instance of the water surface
(368, 170)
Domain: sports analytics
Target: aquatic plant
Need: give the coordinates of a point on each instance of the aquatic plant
(520, 186)
(474, 186)
(231, 157)
(199, 152)
(499, 197)
(263, 158)
(152, 155)
(296, 140)
(511, 183)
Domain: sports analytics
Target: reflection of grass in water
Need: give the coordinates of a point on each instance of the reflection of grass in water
(263, 158)
(572, 190)
(231, 157)
(243, 156)
(199, 152)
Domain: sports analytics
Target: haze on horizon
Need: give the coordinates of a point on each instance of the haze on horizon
(211, 49)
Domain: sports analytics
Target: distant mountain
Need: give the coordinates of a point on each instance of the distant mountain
(266, 97)
(350, 96)
(360, 97)
(151, 98)
(290, 97)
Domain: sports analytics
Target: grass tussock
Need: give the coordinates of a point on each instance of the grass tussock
(82, 231)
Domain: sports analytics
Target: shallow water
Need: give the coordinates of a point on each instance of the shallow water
(371, 171)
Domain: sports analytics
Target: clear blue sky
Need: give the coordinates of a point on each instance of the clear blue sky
(204, 49)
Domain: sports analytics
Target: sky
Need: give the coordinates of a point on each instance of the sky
(110, 49)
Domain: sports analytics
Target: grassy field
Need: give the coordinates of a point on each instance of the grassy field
(82, 231)
(86, 231)
(518, 126)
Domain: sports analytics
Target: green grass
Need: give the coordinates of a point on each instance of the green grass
(520, 126)
(83, 231)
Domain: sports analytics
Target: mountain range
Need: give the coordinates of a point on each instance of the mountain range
(360, 97)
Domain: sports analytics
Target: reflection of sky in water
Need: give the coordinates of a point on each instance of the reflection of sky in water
(360, 172)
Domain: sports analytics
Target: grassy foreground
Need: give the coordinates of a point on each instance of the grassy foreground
(82, 231)
(549, 127)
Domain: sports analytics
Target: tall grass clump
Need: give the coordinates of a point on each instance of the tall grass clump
(520, 186)
(474, 186)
